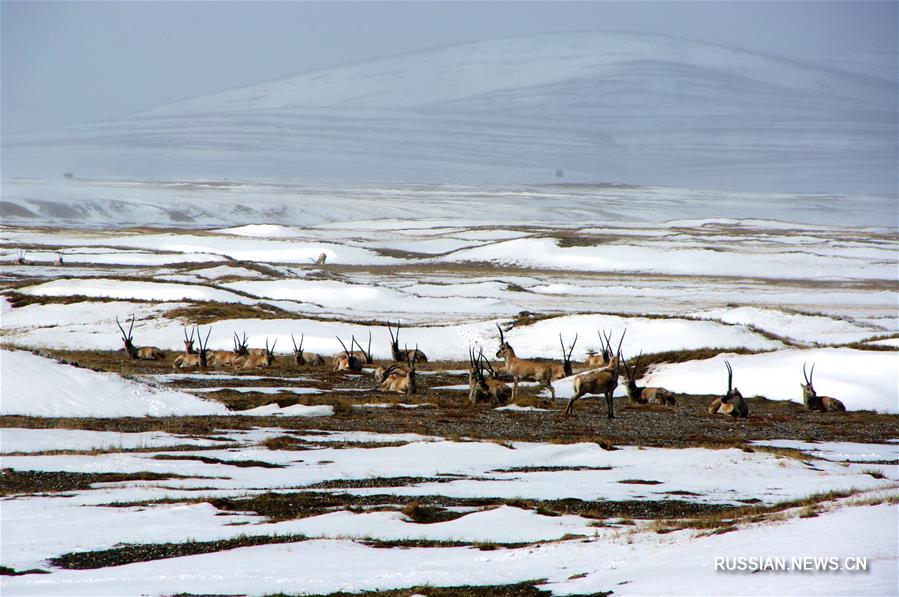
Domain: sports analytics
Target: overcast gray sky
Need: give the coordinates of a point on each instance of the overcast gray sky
(73, 62)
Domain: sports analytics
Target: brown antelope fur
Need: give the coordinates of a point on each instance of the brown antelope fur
(594, 360)
(347, 360)
(401, 380)
(227, 357)
(321, 259)
(813, 402)
(188, 349)
(254, 361)
(402, 356)
(197, 358)
(598, 382)
(731, 403)
(644, 395)
(522, 369)
(482, 384)
(144, 353)
(366, 354)
(301, 357)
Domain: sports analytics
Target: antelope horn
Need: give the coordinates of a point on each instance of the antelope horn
(571, 348)
(302, 337)
(804, 374)
(345, 351)
(502, 338)
(132, 326)
(621, 341)
(390, 331)
(811, 375)
(730, 377)
(124, 335)
(274, 344)
(295, 349)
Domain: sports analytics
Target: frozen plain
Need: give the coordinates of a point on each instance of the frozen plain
(783, 290)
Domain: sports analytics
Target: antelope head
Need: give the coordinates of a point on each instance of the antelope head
(505, 349)
(241, 345)
(270, 352)
(808, 390)
(188, 342)
(732, 392)
(203, 343)
(127, 338)
(298, 350)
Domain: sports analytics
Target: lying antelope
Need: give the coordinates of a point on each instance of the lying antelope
(402, 356)
(400, 380)
(814, 402)
(522, 369)
(644, 395)
(731, 403)
(20, 258)
(253, 361)
(598, 382)
(197, 358)
(188, 348)
(227, 357)
(58, 262)
(301, 357)
(320, 261)
(482, 383)
(347, 360)
(145, 353)
(594, 360)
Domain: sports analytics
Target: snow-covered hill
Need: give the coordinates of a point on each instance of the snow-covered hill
(597, 106)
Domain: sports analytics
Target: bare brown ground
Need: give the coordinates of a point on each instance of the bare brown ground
(448, 413)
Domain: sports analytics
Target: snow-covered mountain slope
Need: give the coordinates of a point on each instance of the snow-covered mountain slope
(597, 106)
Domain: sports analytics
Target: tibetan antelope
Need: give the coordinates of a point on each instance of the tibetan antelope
(320, 261)
(595, 361)
(188, 348)
(253, 361)
(197, 358)
(523, 369)
(145, 353)
(402, 356)
(814, 402)
(481, 381)
(58, 262)
(731, 403)
(301, 357)
(227, 357)
(20, 258)
(400, 380)
(347, 360)
(598, 382)
(644, 395)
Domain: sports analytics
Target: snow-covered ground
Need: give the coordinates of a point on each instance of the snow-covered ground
(39, 527)
(861, 379)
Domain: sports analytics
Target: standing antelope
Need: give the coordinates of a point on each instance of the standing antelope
(814, 402)
(400, 380)
(401, 356)
(252, 361)
(145, 353)
(347, 360)
(305, 358)
(599, 381)
(522, 369)
(731, 403)
(643, 395)
(484, 387)
(195, 359)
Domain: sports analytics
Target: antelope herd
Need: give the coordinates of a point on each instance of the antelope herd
(599, 374)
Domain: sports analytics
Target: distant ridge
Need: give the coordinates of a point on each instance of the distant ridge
(576, 107)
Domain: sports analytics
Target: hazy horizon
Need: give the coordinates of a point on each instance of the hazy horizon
(78, 62)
